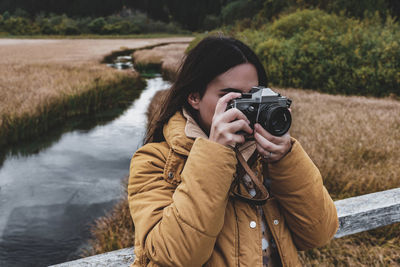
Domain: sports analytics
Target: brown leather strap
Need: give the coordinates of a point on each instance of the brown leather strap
(241, 170)
(262, 193)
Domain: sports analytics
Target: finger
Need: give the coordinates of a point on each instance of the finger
(234, 114)
(233, 139)
(223, 102)
(267, 155)
(238, 138)
(240, 125)
(265, 143)
(264, 153)
(274, 139)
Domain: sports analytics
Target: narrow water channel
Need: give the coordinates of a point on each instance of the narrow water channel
(49, 199)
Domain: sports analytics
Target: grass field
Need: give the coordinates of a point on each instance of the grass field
(353, 141)
(40, 75)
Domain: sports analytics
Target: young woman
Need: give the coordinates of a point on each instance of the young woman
(186, 211)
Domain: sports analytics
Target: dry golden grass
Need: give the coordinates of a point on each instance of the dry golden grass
(354, 141)
(169, 57)
(35, 73)
(113, 231)
(25, 88)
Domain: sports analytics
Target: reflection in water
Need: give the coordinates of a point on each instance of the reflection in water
(122, 63)
(82, 123)
(49, 234)
(48, 198)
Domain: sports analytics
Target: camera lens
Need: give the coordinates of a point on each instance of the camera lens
(275, 119)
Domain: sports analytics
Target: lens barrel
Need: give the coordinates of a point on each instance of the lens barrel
(275, 119)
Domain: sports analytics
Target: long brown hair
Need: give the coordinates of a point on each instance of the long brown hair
(211, 57)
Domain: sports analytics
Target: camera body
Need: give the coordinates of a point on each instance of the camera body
(264, 106)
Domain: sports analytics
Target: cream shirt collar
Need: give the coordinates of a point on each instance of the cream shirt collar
(193, 130)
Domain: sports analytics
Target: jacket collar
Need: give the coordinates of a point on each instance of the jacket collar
(181, 131)
(174, 133)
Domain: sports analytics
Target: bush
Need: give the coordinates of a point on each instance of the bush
(46, 27)
(354, 8)
(97, 25)
(64, 26)
(121, 27)
(83, 24)
(128, 22)
(6, 15)
(331, 53)
(19, 26)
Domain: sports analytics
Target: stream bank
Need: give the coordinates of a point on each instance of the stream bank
(115, 230)
(102, 95)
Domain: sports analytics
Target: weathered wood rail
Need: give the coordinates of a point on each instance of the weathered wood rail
(356, 214)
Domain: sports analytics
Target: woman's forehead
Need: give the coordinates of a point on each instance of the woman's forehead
(240, 78)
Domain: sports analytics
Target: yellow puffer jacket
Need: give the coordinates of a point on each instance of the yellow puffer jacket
(184, 215)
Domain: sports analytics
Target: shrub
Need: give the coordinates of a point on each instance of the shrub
(19, 26)
(65, 26)
(6, 15)
(132, 22)
(331, 53)
(46, 27)
(120, 27)
(354, 8)
(83, 24)
(97, 25)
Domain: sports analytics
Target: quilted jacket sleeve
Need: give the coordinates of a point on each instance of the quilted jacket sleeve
(178, 225)
(308, 209)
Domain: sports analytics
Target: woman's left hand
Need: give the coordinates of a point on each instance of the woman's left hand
(271, 148)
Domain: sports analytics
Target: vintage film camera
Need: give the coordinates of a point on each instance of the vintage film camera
(264, 106)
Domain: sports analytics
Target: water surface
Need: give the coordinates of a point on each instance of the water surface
(49, 198)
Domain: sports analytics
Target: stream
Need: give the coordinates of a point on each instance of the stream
(49, 198)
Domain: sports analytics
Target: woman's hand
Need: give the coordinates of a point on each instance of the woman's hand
(272, 148)
(227, 123)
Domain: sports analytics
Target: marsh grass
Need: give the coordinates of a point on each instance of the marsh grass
(101, 95)
(43, 82)
(37, 97)
(354, 142)
(165, 58)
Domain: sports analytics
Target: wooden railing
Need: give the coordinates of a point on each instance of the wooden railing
(356, 214)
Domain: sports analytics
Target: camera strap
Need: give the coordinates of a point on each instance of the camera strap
(262, 194)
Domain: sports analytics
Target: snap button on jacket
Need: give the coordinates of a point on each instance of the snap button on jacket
(184, 215)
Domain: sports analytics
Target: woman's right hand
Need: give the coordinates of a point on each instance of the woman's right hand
(227, 123)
